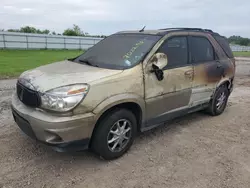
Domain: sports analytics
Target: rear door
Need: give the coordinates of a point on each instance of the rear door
(207, 68)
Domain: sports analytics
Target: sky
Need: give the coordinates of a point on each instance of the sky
(104, 17)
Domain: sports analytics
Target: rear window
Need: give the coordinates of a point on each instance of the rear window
(224, 45)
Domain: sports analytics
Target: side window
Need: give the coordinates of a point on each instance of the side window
(176, 49)
(201, 50)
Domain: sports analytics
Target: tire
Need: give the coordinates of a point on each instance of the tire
(108, 131)
(215, 108)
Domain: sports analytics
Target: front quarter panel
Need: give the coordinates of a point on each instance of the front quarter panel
(104, 93)
(119, 99)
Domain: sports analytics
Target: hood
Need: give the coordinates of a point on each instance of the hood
(63, 73)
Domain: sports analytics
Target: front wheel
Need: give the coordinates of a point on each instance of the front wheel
(219, 102)
(115, 134)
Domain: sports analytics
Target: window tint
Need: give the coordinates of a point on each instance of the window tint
(176, 51)
(201, 50)
(224, 45)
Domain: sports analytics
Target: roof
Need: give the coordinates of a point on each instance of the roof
(166, 30)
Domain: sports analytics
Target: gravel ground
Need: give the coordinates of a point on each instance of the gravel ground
(193, 151)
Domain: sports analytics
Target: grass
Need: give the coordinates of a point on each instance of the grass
(14, 62)
(242, 54)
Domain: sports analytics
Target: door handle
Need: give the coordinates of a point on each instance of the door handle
(219, 66)
(189, 74)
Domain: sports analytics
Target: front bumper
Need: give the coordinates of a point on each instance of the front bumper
(63, 133)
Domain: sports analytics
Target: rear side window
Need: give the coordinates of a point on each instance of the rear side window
(201, 50)
(176, 50)
(224, 45)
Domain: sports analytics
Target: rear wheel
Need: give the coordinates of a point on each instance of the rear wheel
(219, 102)
(115, 134)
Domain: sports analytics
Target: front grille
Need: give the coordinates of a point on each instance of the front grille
(27, 96)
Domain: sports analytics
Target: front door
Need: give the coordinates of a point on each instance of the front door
(167, 97)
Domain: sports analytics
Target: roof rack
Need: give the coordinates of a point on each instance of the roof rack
(190, 29)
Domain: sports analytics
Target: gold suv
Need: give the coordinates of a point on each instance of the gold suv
(129, 82)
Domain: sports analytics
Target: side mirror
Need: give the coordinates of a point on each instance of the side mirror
(159, 61)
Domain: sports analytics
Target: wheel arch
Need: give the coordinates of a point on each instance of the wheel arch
(126, 101)
(226, 82)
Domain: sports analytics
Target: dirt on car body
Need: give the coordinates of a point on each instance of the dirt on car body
(192, 151)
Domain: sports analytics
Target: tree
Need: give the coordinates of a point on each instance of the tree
(75, 31)
(28, 29)
(46, 31)
(13, 30)
(38, 31)
(69, 32)
(239, 40)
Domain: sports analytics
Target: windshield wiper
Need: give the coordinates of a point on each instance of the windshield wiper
(87, 62)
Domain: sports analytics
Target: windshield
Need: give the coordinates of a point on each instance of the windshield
(119, 51)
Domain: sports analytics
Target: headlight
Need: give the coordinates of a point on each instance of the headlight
(65, 98)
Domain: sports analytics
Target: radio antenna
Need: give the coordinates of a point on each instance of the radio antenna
(142, 29)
